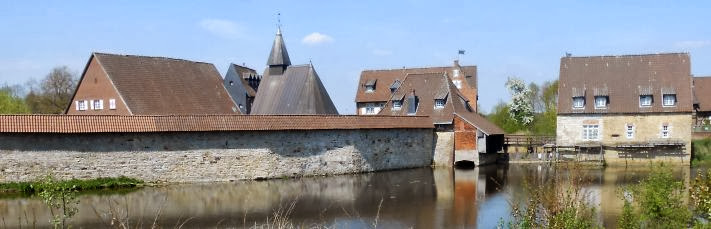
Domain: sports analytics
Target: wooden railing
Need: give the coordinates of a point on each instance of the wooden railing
(528, 140)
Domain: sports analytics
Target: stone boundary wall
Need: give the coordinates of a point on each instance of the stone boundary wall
(214, 155)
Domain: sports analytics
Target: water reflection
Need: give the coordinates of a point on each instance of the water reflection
(420, 198)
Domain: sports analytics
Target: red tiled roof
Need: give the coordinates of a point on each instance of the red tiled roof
(385, 78)
(180, 123)
(623, 79)
(702, 92)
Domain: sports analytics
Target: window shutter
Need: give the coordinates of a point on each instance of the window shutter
(76, 105)
(91, 104)
(101, 104)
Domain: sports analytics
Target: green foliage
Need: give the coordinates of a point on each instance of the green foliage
(701, 152)
(60, 197)
(558, 202)
(32, 188)
(544, 99)
(11, 103)
(700, 195)
(628, 219)
(659, 200)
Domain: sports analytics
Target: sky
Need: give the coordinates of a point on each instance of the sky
(342, 38)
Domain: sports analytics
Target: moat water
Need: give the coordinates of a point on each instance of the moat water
(413, 198)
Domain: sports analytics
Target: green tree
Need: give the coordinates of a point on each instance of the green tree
(61, 198)
(11, 103)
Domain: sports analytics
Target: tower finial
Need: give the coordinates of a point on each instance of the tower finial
(278, 23)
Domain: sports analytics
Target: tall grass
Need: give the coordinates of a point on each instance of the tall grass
(34, 187)
(701, 152)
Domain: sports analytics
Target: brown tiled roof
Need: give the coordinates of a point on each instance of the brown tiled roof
(702, 92)
(430, 86)
(141, 123)
(385, 78)
(161, 86)
(624, 78)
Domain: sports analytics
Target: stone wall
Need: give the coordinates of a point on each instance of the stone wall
(212, 156)
(647, 129)
(444, 149)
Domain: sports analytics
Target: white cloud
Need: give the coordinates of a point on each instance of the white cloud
(316, 38)
(692, 44)
(223, 28)
(381, 52)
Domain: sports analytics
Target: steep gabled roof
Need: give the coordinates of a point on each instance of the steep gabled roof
(386, 78)
(298, 91)
(431, 86)
(623, 79)
(160, 86)
(702, 93)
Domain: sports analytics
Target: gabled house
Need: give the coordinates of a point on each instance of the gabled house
(462, 134)
(287, 89)
(140, 85)
(702, 103)
(376, 86)
(626, 108)
(242, 83)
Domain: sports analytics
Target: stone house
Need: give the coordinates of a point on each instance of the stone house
(462, 134)
(702, 103)
(626, 108)
(140, 85)
(375, 87)
(242, 83)
(289, 89)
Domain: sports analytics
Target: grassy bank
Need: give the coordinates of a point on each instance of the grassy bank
(701, 152)
(108, 183)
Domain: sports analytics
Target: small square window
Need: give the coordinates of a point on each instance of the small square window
(98, 104)
(629, 129)
(645, 100)
(397, 104)
(578, 102)
(669, 100)
(600, 101)
(369, 88)
(82, 105)
(439, 103)
(665, 131)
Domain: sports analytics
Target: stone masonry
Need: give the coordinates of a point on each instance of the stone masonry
(212, 156)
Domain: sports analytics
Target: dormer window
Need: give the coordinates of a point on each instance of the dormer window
(645, 100)
(394, 86)
(669, 100)
(578, 102)
(439, 103)
(412, 103)
(600, 102)
(370, 85)
(397, 104)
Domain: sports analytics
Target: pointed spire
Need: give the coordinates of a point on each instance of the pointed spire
(279, 56)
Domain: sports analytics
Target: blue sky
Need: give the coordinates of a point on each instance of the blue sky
(342, 38)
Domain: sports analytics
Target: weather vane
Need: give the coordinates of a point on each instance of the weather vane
(279, 19)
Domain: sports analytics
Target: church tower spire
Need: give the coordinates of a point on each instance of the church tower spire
(279, 57)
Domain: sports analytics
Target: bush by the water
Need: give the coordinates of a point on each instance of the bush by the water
(701, 152)
(31, 188)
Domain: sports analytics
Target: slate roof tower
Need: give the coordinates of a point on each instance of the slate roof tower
(287, 89)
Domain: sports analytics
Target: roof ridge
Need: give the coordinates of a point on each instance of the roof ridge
(630, 55)
(395, 69)
(153, 57)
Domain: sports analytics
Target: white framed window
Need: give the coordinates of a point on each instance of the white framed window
(369, 88)
(81, 105)
(669, 100)
(112, 104)
(591, 132)
(439, 103)
(600, 102)
(397, 104)
(457, 83)
(645, 100)
(578, 102)
(369, 108)
(629, 131)
(665, 131)
(98, 104)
